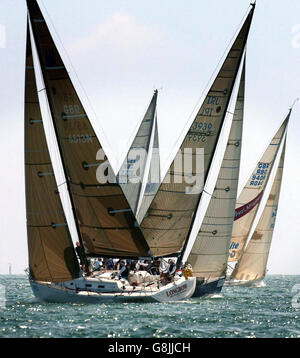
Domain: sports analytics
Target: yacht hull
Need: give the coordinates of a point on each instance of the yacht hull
(208, 288)
(176, 291)
(252, 283)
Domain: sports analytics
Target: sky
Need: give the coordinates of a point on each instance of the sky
(117, 52)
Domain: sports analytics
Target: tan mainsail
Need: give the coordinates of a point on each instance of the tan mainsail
(253, 262)
(105, 222)
(134, 171)
(170, 215)
(51, 252)
(248, 201)
(209, 253)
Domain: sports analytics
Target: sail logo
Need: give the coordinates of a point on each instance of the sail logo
(296, 37)
(2, 36)
(245, 209)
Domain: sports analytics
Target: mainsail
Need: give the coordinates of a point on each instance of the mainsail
(51, 252)
(104, 221)
(209, 253)
(248, 201)
(253, 262)
(171, 213)
(141, 157)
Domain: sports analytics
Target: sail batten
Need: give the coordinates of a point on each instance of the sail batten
(78, 146)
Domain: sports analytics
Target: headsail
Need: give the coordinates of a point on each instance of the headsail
(171, 212)
(154, 178)
(105, 222)
(135, 170)
(51, 252)
(209, 253)
(248, 201)
(253, 262)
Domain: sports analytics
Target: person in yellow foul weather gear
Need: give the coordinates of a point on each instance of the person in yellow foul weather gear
(187, 271)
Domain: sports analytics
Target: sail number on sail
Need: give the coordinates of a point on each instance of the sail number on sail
(80, 138)
(205, 129)
(260, 175)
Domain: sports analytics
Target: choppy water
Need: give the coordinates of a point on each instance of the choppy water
(270, 311)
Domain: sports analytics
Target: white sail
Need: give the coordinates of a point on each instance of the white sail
(134, 172)
(209, 253)
(151, 185)
(253, 262)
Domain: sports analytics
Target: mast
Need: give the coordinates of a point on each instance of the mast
(106, 224)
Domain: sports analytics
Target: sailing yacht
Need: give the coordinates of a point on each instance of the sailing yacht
(105, 224)
(169, 225)
(250, 257)
(252, 266)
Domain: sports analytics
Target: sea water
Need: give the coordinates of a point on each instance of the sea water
(272, 311)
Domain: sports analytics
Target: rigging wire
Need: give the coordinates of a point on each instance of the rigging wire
(297, 99)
